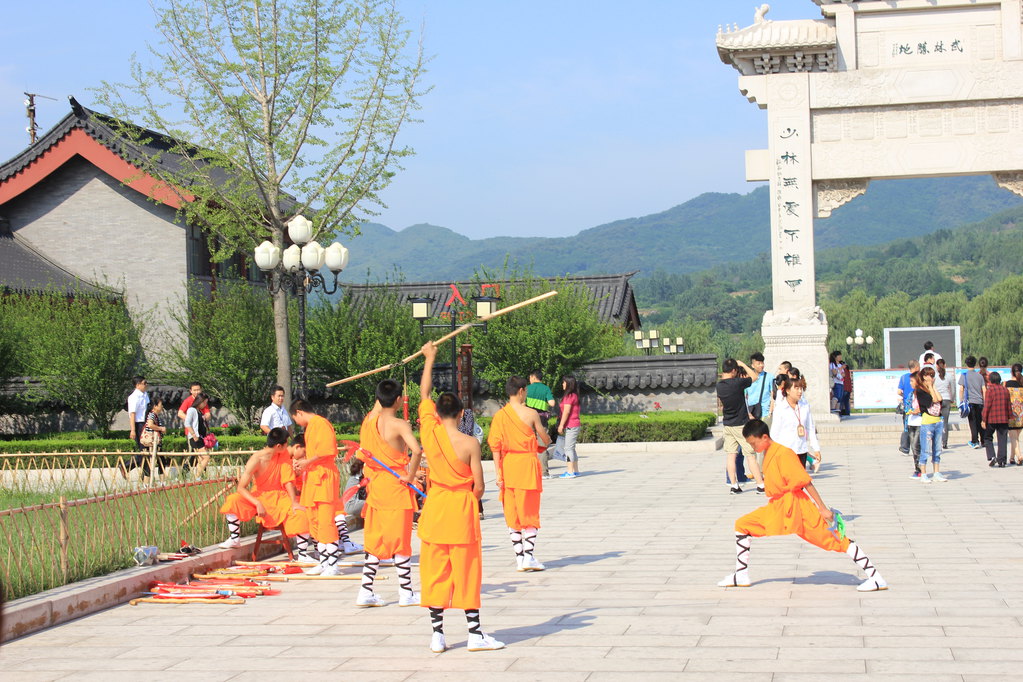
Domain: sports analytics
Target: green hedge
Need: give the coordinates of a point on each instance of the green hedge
(173, 443)
(637, 427)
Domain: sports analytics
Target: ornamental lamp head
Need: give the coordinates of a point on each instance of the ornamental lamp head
(267, 256)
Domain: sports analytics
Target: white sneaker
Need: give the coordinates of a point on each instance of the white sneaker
(407, 598)
(939, 477)
(230, 543)
(437, 643)
(529, 563)
(314, 570)
(518, 563)
(351, 548)
(368, 599)
(483, 643)
(306, 559)
(924, 478)
(740, 579)
(875, 584)
(331, 570)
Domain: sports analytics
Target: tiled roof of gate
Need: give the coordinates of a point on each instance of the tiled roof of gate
(612, 294)
(640, 372)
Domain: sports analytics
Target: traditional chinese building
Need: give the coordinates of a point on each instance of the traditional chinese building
(78, 213)
(892, 89)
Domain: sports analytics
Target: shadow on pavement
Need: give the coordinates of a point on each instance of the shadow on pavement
(557, 623)
(582, 559)
(815, 578)
(502, 588)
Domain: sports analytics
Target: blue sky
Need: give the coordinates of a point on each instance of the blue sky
(546, 118)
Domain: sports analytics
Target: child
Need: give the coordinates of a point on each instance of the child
(795, 507)
(307, 551)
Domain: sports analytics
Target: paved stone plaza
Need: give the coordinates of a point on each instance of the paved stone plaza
(633, 550)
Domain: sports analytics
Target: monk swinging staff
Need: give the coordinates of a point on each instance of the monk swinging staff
(450, 563)
(795, 508)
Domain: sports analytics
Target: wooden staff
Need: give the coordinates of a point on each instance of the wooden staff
(188, 600)
(451, 335)
(210, 501)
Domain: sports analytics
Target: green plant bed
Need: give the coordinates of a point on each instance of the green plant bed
(637, 427)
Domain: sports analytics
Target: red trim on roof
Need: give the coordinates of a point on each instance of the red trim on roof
(78, 142)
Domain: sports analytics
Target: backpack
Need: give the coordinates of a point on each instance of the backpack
(1015, 408)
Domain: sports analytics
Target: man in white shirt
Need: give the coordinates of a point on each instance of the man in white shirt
(929, 348)
(138, 402)
(275, 415)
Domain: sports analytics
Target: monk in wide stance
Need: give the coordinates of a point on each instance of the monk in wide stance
(514, 433)
(390, 503)
(794, 508)
(321, 484)
(272, 499)
(450, 564)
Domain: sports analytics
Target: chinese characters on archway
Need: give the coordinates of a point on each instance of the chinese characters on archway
(793, 181)
(934, 46)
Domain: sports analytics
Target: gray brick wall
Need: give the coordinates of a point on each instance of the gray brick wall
(91, 225)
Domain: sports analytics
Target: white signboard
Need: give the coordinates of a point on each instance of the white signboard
(875, 389)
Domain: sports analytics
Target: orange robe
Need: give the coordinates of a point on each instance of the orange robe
(321, 482)
(789, 510)
(389, 502)
(268, 486)
(450, 563)
(520, 468)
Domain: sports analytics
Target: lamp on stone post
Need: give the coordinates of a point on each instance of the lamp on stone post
(297, 269)
(421, 309)
(647, 341)
(858, 346)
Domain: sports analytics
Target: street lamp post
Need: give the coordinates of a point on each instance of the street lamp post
(421, 307)
(858, 345)
(297, 269)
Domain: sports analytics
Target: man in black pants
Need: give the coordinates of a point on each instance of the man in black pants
(973, 391)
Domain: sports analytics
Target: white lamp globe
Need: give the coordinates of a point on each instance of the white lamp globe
(267, 256)
(336, 257)
(870, 340)
(859, 332)
(300, 230)
(313, 256)
(858, 340)
(292, 258)
(848, 340)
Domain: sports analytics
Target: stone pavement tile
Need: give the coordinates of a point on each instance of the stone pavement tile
(71, 664)
(352, 639)
(685, 676)
(36, 675)
(815, 677)
(504, 676)
(996, 667)
(136, 675)
(1003, 640)
(79, 628)
(992, 620)
(925, 651)
(992, 632)
(1010, 653)
(333, 676)
(323, 662)
(824, 669)
(452, 660)
(633, 668)
(143, 639)
(809, 638)
(24, 651)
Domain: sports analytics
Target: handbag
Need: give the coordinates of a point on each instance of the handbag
(558, 452)
(209, 441)
(147, 438)
(757, 409)
(1015, 408)
(964, 404)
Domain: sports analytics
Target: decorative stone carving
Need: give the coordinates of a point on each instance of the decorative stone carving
(758, 16)
(803, 317)
(1010, 181)
(832, 194)
(766, 63)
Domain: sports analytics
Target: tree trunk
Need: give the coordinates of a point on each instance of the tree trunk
(283, 344)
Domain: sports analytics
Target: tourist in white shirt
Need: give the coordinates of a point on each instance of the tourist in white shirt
(929, 348)
(138, 403)
(275, 415)
(793, 424)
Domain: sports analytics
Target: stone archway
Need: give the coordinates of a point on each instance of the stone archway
(874, 89)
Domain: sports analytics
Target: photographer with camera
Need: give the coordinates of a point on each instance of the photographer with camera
(736, 378)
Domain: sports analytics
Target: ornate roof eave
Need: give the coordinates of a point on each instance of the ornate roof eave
(779, 46)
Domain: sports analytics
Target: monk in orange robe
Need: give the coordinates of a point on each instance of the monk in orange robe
(304, 544)
(450, 562)
(390, 503)
(321, 485)
(272, 499)
(513, 439)
(794, 508)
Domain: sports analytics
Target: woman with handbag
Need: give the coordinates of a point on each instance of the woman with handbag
(569, 424)
(198, 435)
(150, 437)
(931, 426)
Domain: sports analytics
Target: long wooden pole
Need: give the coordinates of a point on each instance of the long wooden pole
(208, 502)
(451, 335)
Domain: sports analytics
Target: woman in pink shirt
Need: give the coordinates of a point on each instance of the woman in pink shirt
(568, 424)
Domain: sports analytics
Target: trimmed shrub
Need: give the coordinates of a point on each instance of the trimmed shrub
(638, 427)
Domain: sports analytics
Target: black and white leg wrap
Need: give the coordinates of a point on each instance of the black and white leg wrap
(472, 621)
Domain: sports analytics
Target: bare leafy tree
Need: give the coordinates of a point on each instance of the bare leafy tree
(254, 111)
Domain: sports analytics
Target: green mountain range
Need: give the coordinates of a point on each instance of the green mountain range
(709, 230)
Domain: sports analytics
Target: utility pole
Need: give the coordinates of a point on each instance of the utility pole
(30, 109)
